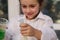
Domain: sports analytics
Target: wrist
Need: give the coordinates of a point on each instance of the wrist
(37, 34)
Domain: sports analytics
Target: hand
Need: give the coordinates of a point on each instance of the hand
(27, 30)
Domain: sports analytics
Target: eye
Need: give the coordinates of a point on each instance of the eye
(24, 6)
(32, 6)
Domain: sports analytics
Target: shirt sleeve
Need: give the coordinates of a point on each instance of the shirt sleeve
(9, 32)
(47, 32)
(12, 30)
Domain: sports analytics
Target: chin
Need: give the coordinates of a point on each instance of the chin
(30, 18)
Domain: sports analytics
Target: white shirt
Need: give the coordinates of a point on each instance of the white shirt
(41, 22)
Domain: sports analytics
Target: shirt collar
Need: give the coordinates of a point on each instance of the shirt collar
(41, 15)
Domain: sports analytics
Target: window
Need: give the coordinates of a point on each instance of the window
(52, 9)
(4, 9)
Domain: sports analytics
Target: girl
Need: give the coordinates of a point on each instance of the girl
(36, 25)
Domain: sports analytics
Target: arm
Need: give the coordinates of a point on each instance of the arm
(47, 32)
(37, 34)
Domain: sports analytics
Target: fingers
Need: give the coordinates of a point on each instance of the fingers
(26, 30)
(25, 33)
(23, 25)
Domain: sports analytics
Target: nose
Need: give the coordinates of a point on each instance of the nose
(28, 10)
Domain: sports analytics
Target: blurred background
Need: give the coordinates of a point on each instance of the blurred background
(52, 9)
(10, 8)
(4, 9)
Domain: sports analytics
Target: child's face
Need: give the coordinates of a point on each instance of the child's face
(30, 8)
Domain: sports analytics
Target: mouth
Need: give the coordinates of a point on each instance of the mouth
(29, 14)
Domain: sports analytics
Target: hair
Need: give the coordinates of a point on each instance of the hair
(39, 1)
(40, 4)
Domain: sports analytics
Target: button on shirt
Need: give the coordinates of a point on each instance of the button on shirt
(41, 22)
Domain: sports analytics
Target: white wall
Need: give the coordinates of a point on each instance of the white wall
(13, 8)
